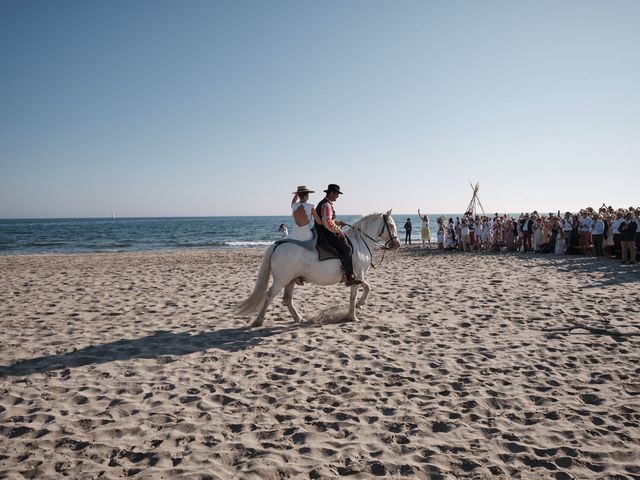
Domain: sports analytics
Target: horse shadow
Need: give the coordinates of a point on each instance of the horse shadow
(157, 345)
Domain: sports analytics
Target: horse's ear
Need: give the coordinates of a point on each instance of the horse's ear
(388, 213)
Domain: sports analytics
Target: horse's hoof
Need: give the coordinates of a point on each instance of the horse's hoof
(360, 306)
(255, 323)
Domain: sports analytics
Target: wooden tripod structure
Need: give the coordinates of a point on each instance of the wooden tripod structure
(475, 199)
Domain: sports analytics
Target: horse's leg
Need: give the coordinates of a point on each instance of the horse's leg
(363, 299)
(288, 301)
(352, 304)
(271, 294)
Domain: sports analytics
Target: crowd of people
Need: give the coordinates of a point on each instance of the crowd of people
(602, 232)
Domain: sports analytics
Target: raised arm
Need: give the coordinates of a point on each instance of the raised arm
(295, 199)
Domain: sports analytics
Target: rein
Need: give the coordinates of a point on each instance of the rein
(384, 247)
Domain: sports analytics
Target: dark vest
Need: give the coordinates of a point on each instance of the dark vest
(319, 226)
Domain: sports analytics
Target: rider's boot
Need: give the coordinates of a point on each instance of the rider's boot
(352, 280)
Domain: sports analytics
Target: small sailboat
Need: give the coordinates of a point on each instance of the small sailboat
(113, 215)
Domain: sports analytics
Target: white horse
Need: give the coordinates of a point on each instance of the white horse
(288, 262)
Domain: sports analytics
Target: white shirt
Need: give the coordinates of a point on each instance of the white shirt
(615, 225)
(598, 227)
(567, 224)
(585, 224)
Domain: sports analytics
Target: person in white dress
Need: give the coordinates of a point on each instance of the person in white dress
(302, 213)
(538, 235)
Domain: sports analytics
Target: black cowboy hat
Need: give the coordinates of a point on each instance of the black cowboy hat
(333, 188)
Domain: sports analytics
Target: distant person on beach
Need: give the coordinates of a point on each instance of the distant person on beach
(464, 236)
(282, 230)
(608, 234)
(303, 212)
(615, 228)
(440, 236)
(451, 234)
(555, 227)
(477, 234)
(574, 239)
(584, 231)
(509, 235)
(597, 234)
(425, 231)
(329, 231)
(485, 235)
(407, 231)
(527, 230)
(628, 229)
(567, 226)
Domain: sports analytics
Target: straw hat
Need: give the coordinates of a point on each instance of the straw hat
(303, 189)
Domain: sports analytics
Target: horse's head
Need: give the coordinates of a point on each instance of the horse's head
(379, 225)
(389, 232)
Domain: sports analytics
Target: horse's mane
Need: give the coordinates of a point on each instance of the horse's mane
(363, 222)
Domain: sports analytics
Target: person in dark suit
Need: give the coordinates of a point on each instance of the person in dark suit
(526, 227)
(330, 233)
(628, 230)
(407, 231)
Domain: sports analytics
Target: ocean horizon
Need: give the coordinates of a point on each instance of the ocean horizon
(135, 234)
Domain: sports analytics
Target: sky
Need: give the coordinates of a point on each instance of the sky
(206, 108)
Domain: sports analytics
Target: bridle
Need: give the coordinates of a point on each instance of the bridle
(385, 246)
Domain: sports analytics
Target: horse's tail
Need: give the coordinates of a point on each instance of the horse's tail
(259, 295)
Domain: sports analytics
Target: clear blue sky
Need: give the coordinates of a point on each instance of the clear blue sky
(158, 108)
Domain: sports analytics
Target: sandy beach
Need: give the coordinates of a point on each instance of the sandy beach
(134, 365)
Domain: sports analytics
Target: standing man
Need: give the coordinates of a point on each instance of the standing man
(615, 228)
(628, 230)
(407, 231)
(567, 227)
(585, 231)
(526, 233)
(330, 233)
(597, 235)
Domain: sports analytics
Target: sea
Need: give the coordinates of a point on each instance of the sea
(89, 235)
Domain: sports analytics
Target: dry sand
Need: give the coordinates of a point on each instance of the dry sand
(123, 365)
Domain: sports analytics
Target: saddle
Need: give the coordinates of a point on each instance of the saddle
(325, 251)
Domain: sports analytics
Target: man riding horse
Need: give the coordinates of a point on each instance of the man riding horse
(330, 233)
